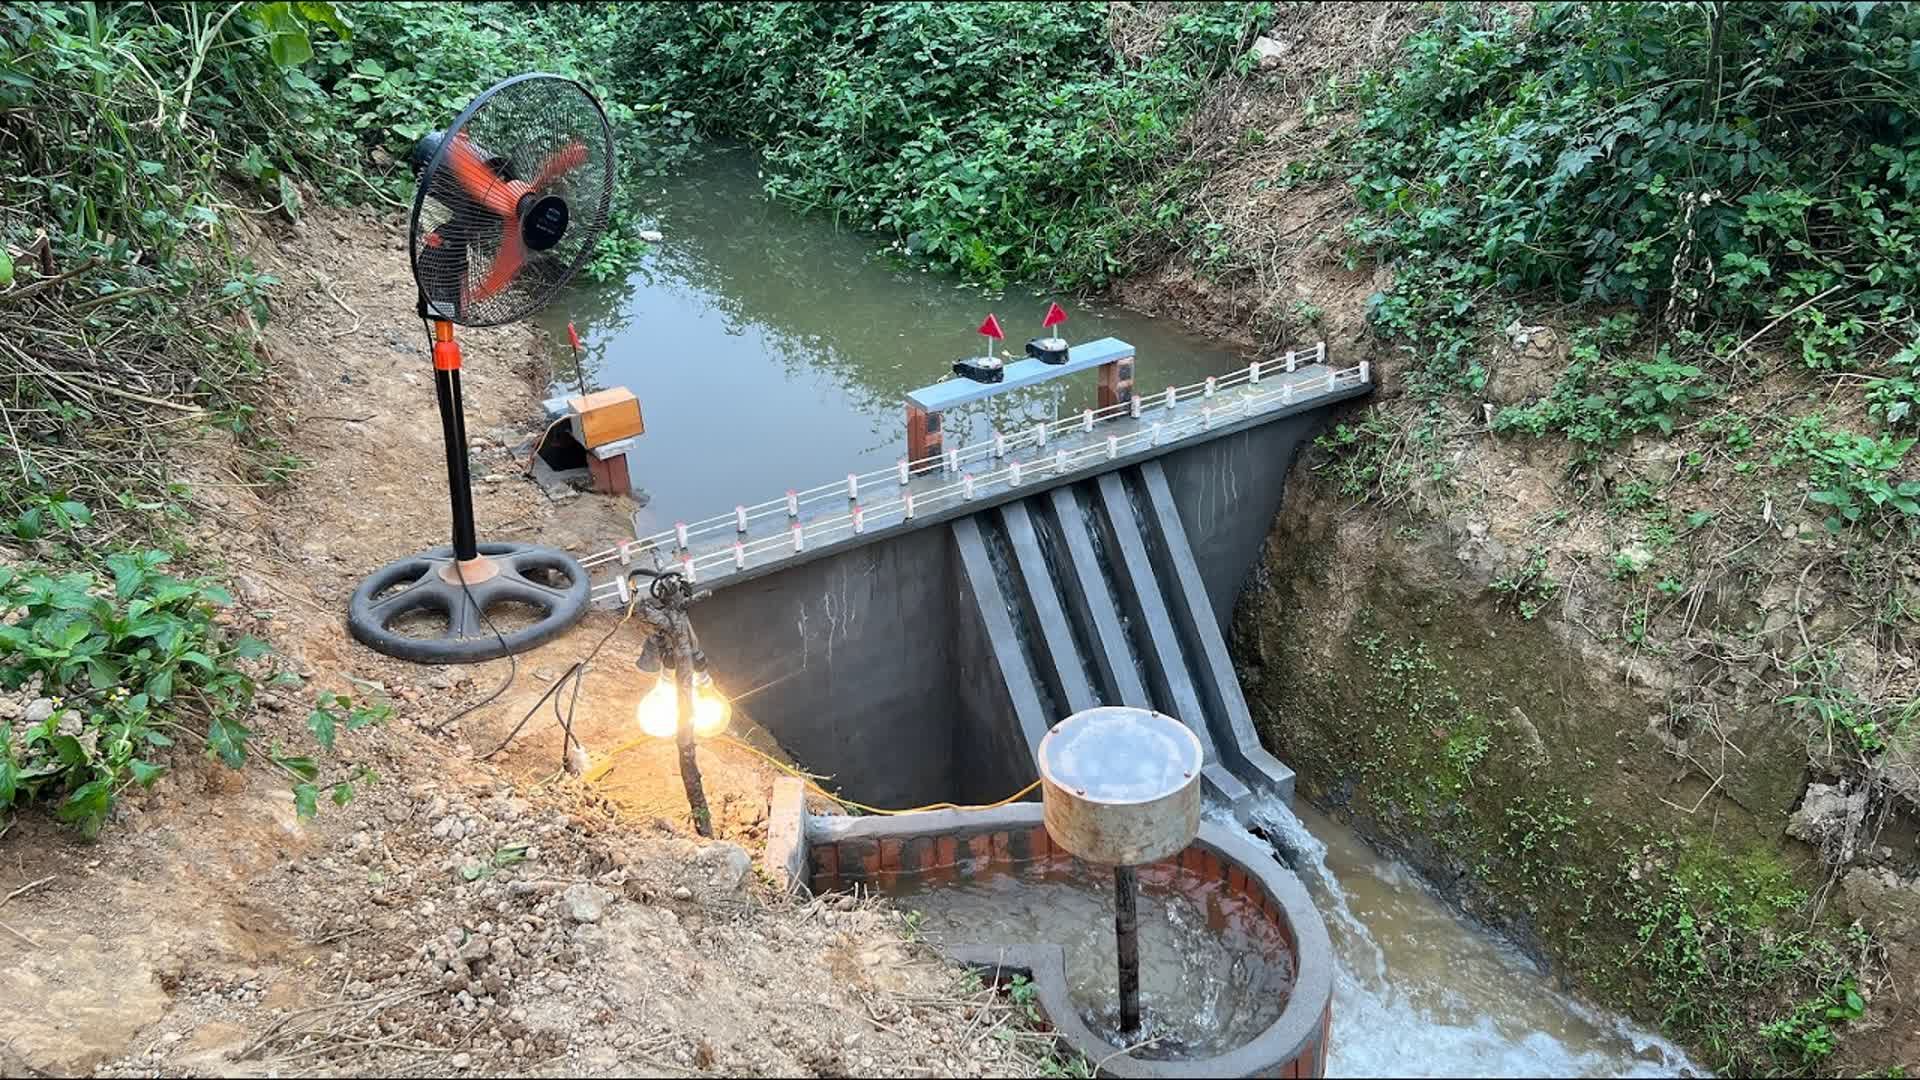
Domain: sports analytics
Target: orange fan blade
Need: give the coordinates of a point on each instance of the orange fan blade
(482, 184)
(506, 263)
(560, 162)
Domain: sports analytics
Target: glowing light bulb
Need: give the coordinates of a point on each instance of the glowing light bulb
(711, 709)
(658, 711)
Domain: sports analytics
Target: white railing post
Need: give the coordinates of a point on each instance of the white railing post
(1134, 406)
(686, 566)
(1086, 420)
(953, 462)
(1210, 386)
(908, 515)
(853, 486)
(793, 505)
(1293, 362)
(739, 555)
(1113, 447)
(1059, 462)
(1173, 398)
(739, 519)
(905, 473)
(999, 445)
(1153, 436)
(1013, 474)
(1253, 373)
(626, 554)
(680, 534)
(1206, 419)
(1365, 374)
(966, 487)
(621, 583)
(799, 539)
(1040, 434)
(859, 520)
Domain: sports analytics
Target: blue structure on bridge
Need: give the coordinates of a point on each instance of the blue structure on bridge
(915, 631)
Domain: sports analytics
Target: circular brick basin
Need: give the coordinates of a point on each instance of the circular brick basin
(884, 854)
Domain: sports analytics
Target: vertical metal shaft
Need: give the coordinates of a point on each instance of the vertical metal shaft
(453, 424)
(683, 731)
(1126, 933)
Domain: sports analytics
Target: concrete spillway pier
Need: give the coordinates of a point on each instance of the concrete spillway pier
(915, 632)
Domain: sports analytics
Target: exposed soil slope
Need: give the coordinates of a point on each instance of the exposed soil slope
(450, 919)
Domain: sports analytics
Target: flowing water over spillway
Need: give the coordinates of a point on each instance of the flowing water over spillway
(1421, 993)
(772, 352)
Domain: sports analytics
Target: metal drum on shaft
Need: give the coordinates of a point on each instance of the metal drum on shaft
(1121, 785)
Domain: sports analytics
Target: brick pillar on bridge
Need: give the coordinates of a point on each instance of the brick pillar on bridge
(1116, 383)
(923, 433)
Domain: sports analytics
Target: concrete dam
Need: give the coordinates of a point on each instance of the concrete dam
(913, 633)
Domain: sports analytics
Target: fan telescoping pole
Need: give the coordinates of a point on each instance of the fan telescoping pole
(453, 424)
(511, 198)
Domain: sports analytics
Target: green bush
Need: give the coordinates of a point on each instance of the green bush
(1001, 140)
(129, 663)
(1604, 397)
(1720, 165)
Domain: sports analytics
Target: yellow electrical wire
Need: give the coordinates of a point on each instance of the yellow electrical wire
(600, 770)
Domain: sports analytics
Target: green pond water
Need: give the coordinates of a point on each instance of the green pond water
(774, 351)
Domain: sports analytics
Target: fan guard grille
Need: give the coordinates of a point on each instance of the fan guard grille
(535, 147)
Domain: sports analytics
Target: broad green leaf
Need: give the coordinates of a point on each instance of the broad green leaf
(6, 279)
(102, 672)
(198, 659)
(306, 800)
(342, 793)
(300, 765)
(250, 647)
(321, 723)
(144, 773)
(160, 685)
(88, 806)
(227, 738)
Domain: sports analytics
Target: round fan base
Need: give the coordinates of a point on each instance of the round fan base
(434, 609)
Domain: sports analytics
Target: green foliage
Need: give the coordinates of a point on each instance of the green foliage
(130, 659)
(1715, 940)
(1376, 457)
(1605, 397)
(1858, 478)
(1892, 398)
(1845, 723)
(1000, 140)
(1530, 588)
(1726, 949)
(1736, 163)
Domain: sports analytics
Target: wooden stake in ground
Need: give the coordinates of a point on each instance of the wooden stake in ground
(683, 731)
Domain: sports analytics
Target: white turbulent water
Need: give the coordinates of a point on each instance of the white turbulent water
(1420, 993)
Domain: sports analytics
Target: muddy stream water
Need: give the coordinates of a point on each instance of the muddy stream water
(771, 351)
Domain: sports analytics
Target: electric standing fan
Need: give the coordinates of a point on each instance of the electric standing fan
(511, 199)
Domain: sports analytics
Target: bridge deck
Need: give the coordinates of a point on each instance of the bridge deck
(805, 524)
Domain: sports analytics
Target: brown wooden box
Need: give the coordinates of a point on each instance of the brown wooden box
(606, 416)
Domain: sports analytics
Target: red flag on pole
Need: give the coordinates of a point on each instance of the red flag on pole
(574, 336)
(991, 328)
(1055, 316)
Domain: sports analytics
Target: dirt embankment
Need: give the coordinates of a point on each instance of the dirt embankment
(461, 915)
(1560, 692)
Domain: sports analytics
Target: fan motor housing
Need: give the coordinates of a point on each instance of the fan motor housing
(544, 223)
